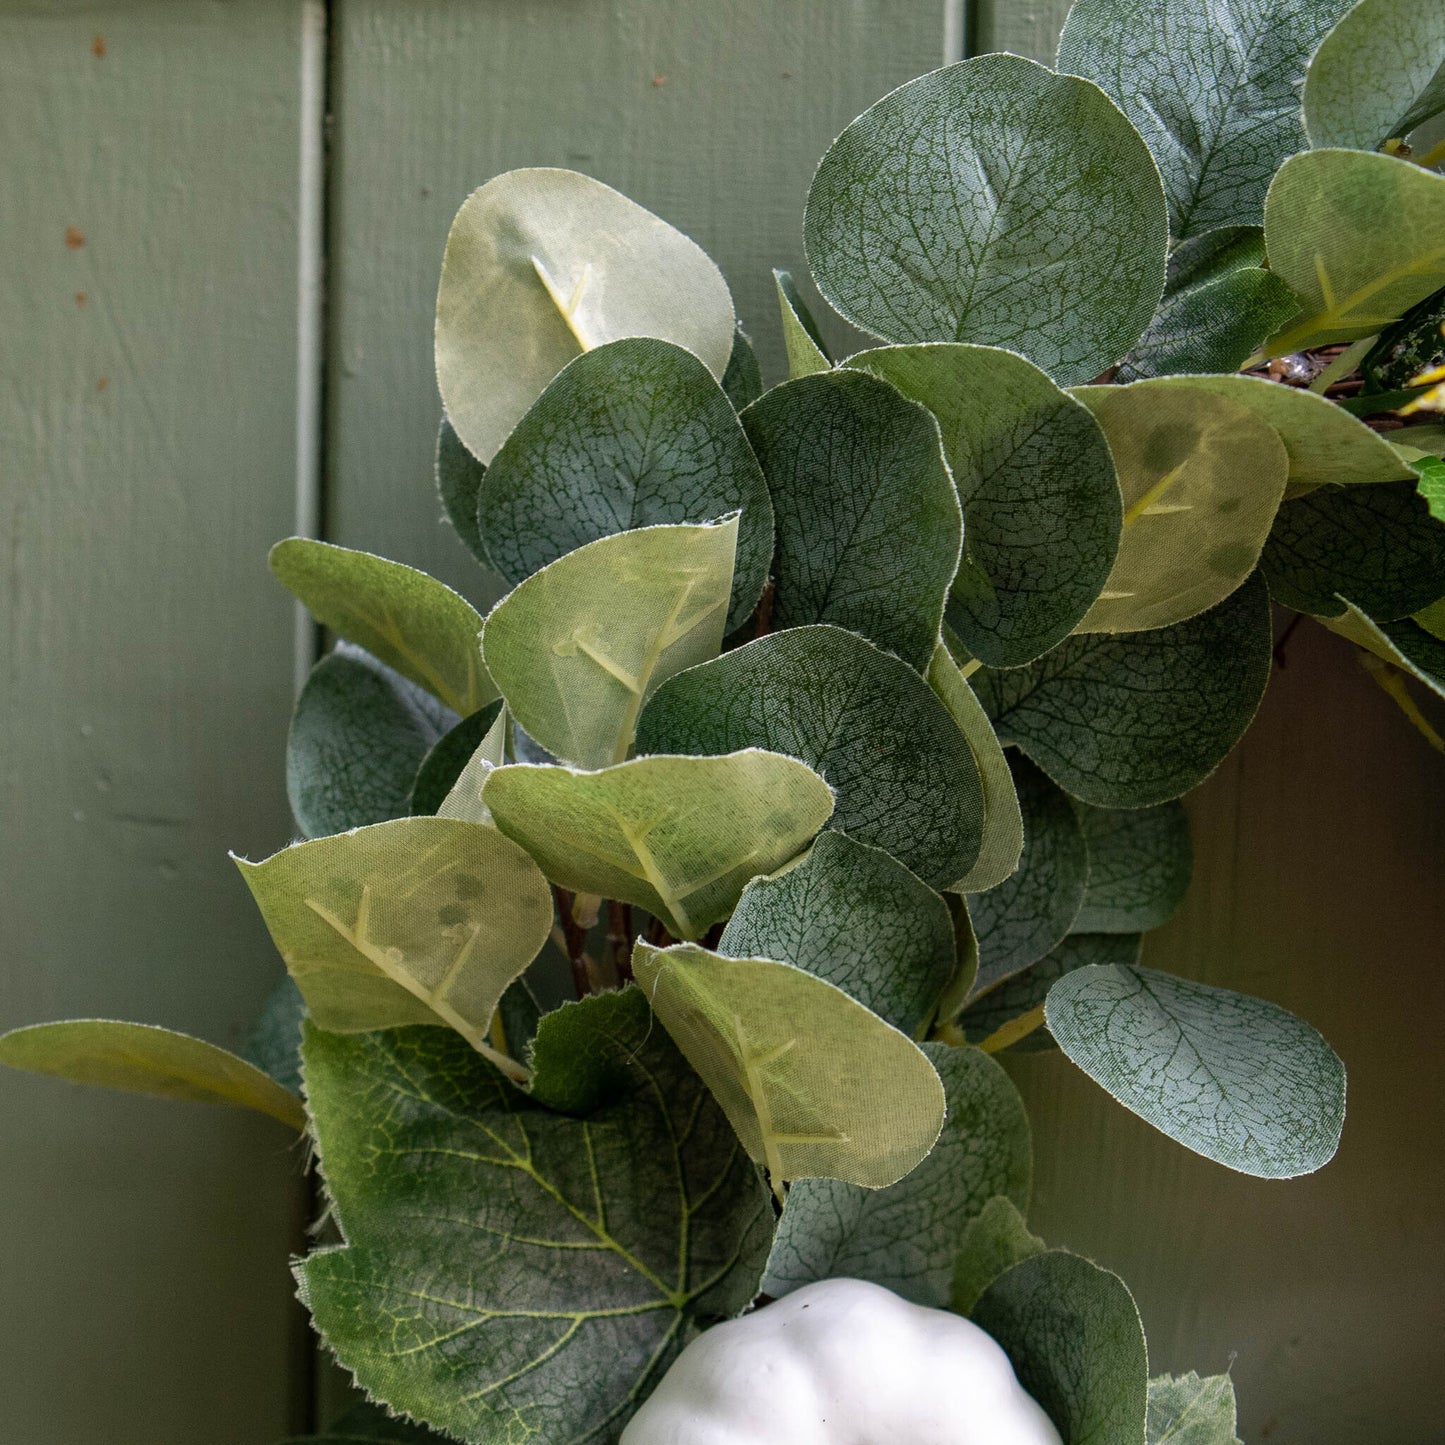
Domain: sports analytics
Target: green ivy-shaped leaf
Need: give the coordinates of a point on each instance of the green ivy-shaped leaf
(807, 351)
(1140, 861)
(1188, 1410)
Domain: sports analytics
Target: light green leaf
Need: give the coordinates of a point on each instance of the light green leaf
(868, 523)
(424, 920)
(680, 836)
(904, 777)
(143, 1059)
(509, 1272)
(1379, 546)
(1359, 238)
(806, 350)
(542, 265)
(1041, 504)
(905, 1237)
(1130, 719)
(857, 917)
(995, 1239)
(1405, 644)
(743, 379)
(1188, 1410)
(1003, 824)
(1073, 1333)
(1213, 88)
(358, 735)
(634, 434)
(1377, 75)
(447, 761)
(1019, 921)
(1432, 619)
(993, 202)
(1234, 1078)
(1140, 860)
(410, 621)
(815, 1085)
(459, 482)
(464, 801)
(965, 947)
(577, 648)
(1202, 478)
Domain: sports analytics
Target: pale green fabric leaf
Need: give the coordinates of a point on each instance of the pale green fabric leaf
(1003, 824)
(423, 920)
(1213, 86)
(410, 621)
(996, 1239)
(1234, 1078)
(444, 764)
(1432, 619)
(143, 1059)
(743, 379)
(577, 648)
(905, 1237)
(634, 434)
(993, 202)
(1378, 74)
(1129, 719)
(965, 947)
(806, 350)
(459, 482)
(815, 1084)
(1027, 914)
(1405, 644)
(1140, 860)
(1360, 239)
(1188, 1410)
(1202, 478)
(511, 1273)
(542, 265)
(1076, 1341)
(1041, 503)
(464, 801)
(358, 735)
(680, 836)
(905, 779)
(857, 917)
(868, 522)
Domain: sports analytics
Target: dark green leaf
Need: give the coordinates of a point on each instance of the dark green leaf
(1187, 1410)
(1405, 644)
(274, 1043)
(807, 352)
(857, 917)
(1140, 860)
(903, 775)
(459, 481)
(935, 214)
(868, 523)
(996, 1239)
(443, 765)
(743, 380)
(538, 1272)
(1234, 1078)
(1130, 719)
(1415, 343)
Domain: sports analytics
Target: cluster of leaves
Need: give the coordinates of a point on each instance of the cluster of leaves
(848, 718)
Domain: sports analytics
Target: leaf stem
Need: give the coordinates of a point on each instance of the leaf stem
(1013, 1031)
(574, 942)
(1392, 682)
(619, 937)
(1343, 364)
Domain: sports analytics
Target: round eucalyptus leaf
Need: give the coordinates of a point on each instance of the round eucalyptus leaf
(1140, 861)
(459, 482)
(542, 265)
(993, 202)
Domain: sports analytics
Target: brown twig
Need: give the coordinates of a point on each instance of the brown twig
(619, 937)
(763, 617)
(576, 940)
(1284, 637)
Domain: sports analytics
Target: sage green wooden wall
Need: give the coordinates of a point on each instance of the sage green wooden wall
(148, 662)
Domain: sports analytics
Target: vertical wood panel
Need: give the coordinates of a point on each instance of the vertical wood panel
(1022, 27)
(147, 401)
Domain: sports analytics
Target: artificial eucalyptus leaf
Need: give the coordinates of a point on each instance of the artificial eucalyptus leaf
(965, 947)
(940, 211)
(459, 482)
(1379, 546)
(743, 380)
(1040, 500)
(577, 647)
(1377, 75)
(358, 735)
(1125, 720)
(868, 523)
(1202, 478)
(464, 800)
(1003, 824)
(1188, 1410)
(1404, 644)
(1234, 1078)
(904, 778)
(422, 920)
(367, 1424)
(807, 352)
(274, 1042)
(994, 1240)
(538, 1272)
(857, 917)
(1074, 1336)
(1360, 238)
(1213, 89)
(448, 759)
(906, 1237)
(143, 1059)
(680, 836)
(1415, 343)
(1140, 860)
(634, 434)
(815, 1084)
(1027, 914)
(542, 265)
(410, 621)
(1432, 619)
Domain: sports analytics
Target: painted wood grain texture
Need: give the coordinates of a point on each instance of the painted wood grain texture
(148, 315)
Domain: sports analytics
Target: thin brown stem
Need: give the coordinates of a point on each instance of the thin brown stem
(619, 938)
(575, 939)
